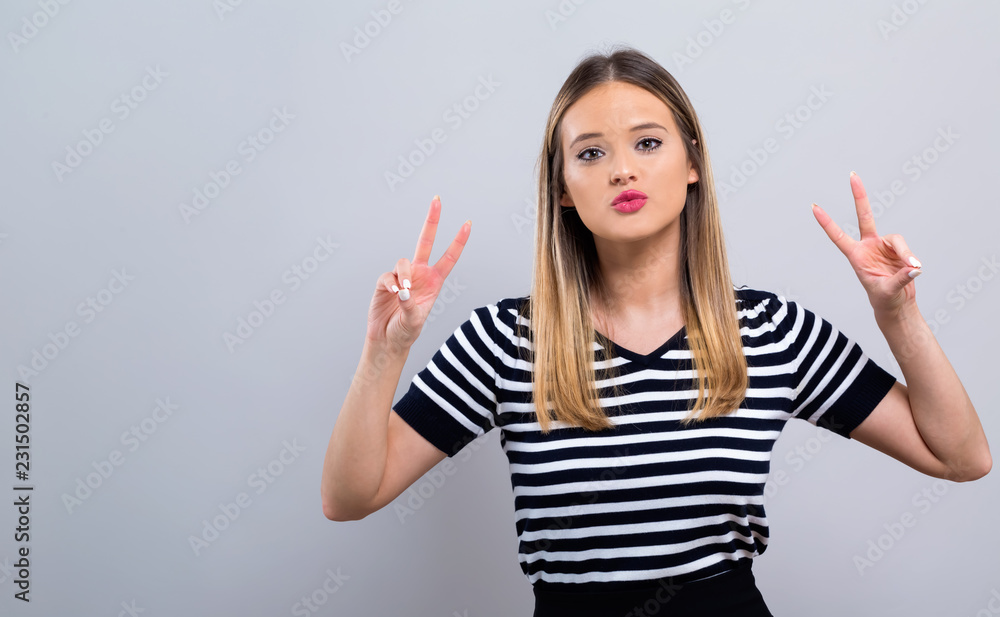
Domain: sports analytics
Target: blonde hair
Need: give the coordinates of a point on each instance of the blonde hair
(566, 266)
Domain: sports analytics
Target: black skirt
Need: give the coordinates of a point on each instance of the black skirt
(732, 593)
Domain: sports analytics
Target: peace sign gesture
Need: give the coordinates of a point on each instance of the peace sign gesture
(404, 297)
(884, 264)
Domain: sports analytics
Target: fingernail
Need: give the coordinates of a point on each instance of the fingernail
(406, 283)
(438, 197)
(395, 289)
(853, 174)
(404, 294)
(914, 262)
(915, 273)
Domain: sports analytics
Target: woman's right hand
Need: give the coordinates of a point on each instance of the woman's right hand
(396, 321)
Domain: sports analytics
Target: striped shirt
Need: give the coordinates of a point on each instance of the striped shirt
(647, 499)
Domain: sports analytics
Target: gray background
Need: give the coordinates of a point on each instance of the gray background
(63, 236)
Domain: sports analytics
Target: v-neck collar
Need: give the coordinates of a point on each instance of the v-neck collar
(671, 343)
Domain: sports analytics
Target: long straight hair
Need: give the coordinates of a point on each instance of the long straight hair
(566, 266)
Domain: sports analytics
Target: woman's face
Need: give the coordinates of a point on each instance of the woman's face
(597, 168)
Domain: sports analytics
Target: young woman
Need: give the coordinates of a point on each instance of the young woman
(638, 484)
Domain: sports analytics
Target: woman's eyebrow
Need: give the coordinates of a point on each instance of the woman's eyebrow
(638, 127)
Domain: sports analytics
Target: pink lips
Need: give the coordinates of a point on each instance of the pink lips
(629, 201)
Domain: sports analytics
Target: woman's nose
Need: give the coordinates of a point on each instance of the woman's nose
(623, 169)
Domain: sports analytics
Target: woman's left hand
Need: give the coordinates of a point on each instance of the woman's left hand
(884, 264)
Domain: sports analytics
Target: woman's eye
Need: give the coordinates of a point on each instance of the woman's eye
(650, 140)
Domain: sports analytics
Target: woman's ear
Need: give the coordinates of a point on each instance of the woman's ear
(693, 173)
(565, 201)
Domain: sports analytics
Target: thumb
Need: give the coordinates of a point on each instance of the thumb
(403, 293)
(391, 283)
(904, 277)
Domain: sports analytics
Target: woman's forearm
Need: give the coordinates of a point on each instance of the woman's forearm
(942, 409)
(356, 455)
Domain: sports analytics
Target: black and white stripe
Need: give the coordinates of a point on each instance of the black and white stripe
(647, 499)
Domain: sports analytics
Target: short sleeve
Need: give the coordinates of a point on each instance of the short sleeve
(836, 385)
(452, 400)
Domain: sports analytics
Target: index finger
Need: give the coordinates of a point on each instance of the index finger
(426, 240)
(866, 220)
